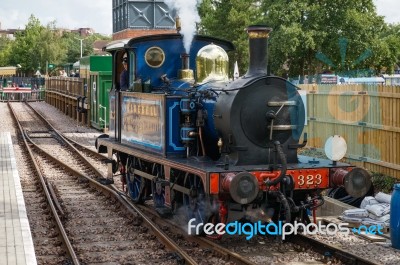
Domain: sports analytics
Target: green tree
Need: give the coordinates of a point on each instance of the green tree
(314, 36)
(225, 19)
(388, 49)
(73, 44)
(5, 51)
(36, 45)
(308, 37)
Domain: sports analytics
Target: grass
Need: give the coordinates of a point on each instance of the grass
(383, 183)
(313, 152)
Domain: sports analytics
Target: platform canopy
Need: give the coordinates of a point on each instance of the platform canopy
(8, 70)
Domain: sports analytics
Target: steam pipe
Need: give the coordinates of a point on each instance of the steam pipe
(178, 24)
(285, 203)
(201, 141)
(282, 157)
(185, 61)
(185, 73)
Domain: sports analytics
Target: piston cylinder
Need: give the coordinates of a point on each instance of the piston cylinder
(356, 182)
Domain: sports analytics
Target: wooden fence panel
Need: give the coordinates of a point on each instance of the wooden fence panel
(367, 116)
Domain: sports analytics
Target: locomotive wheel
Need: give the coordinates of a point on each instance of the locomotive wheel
(135, 184)
(176, 201)
(194, 202)
(158, 190)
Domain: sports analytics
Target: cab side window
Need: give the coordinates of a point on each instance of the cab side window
(125, 63)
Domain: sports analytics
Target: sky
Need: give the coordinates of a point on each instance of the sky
(71, 14)
(97, 14)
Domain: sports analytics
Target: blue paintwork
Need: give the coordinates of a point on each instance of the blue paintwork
(175, 92)
(174, 145)
(173, 48)
(395, 217)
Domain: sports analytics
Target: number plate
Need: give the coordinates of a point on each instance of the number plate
(310, 178)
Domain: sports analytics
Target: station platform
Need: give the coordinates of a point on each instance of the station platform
(16, 244)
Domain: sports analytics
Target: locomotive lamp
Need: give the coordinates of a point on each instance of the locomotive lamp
(335, 148)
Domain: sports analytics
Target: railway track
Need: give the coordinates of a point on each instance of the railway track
(328, 252)
(197, 246)
(331, 251)
(208, 250)
(212, 251)
(93, 225)
(50, 246)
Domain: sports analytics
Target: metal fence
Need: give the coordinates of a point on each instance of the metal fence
(19, 81)
(367, 116)
(16, 88)
(22, 95)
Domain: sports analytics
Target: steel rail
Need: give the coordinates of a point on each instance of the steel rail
(154, 227)
(105, 189)
(323, 248)
(61, 136)
(42, 180)
(86, 149)
(226, 253)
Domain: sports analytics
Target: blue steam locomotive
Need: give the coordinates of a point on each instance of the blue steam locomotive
(184, 136)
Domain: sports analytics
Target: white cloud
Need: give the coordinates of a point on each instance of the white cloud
(97, 14)
(389, 9)
(72, 14)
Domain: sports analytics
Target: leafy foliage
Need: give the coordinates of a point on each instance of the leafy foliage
(225, 19)
(72, 41)
(38, 45)
(347, 33)
(5, 50)
(341, 30)
(383, 182)
(309, 37)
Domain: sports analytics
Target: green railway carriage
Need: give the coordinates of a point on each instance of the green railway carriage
(99, 83)
(96, 70)
(84, 96)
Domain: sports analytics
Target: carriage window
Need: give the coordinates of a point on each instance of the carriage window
(154, 57)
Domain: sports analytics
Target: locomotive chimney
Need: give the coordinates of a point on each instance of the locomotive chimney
(258, 50)
(185, 61)
(185, 73)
